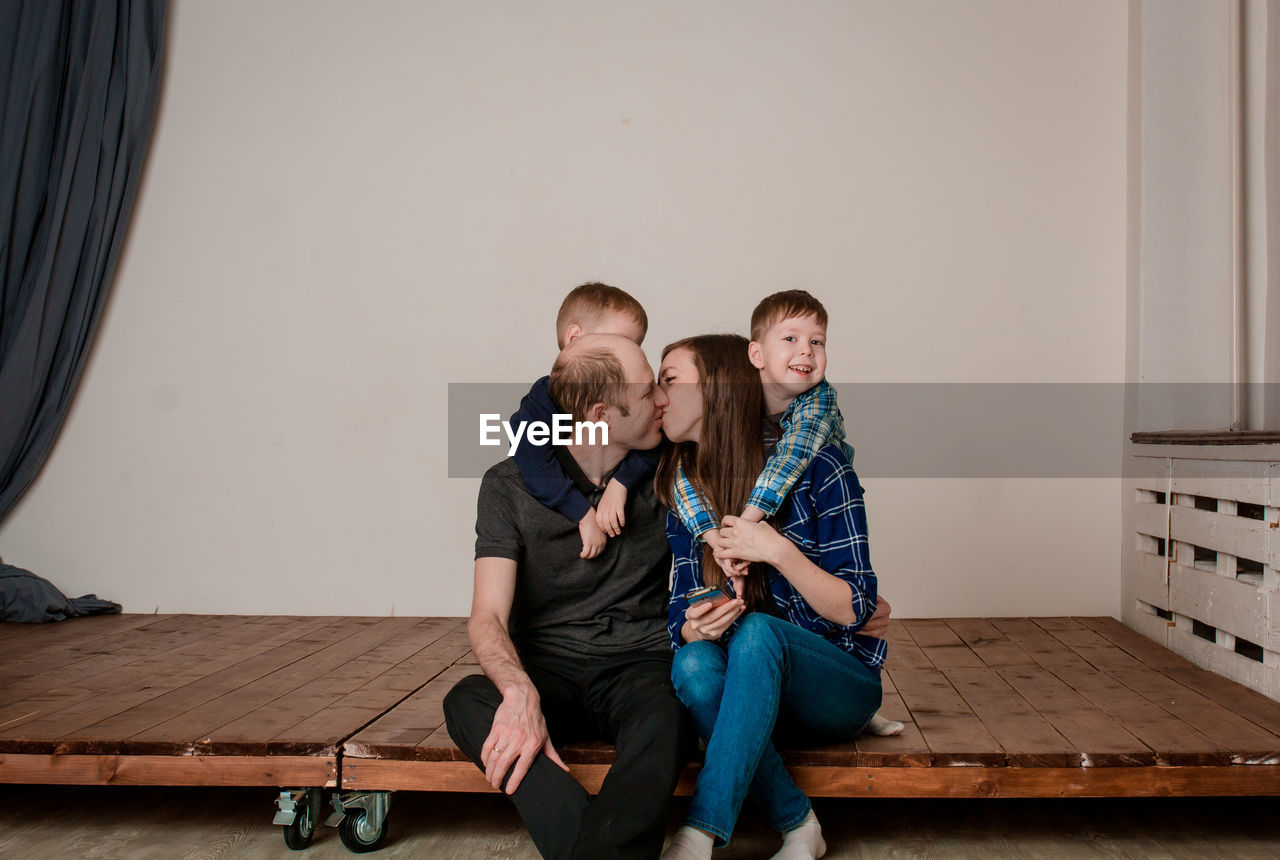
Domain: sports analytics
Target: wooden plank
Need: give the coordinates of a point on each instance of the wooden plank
(1240, 481)
(1147, 579)
(1101, 740)
(194, 726)
(1010, 782)
(360, 707)
(1173, 741)
(29, 674)
(1229, 604)
(991, 646)
(1027, 738)
(903, 652)
(1247, 742)
(1250, 704)
(388, 775)
(1148, 473)
(19, 640)
(1238, 536)
(1151, 518)
(162, 666)
(904, 782)
(370, 684)
(410, 724)
(1226, 438)
(941, 644)
(1225, 662)
(438, 746)
(299, 772)
(1150, 625)
(907, 749)
(175, 663)
(954, 734)
(292, 639)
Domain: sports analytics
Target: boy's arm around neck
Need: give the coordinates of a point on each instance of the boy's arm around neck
(811, 421)
(543, 476)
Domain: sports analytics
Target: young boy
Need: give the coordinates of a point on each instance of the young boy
(592, 308)
(789, 347)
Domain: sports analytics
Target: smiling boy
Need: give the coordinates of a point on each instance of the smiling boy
(789, 347)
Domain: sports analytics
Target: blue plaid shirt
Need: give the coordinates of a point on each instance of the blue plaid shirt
(824, 516)
(811, 420)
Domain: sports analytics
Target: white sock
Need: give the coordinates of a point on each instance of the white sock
(689, 843)
(880, 726)
(804, 842)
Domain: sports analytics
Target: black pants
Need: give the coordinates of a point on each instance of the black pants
(625, 700)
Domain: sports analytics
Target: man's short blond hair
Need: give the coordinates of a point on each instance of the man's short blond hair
(587, 303)
(587, 374)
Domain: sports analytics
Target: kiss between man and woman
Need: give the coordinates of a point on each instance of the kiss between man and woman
(771, 625)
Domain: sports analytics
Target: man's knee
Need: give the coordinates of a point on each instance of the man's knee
(468, 711)
(698, 673)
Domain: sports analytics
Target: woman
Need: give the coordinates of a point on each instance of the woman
(787, 649)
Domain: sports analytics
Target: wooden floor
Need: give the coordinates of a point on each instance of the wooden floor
(994, 708)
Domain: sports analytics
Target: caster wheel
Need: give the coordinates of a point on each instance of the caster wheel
(298, 834)
(359, 835)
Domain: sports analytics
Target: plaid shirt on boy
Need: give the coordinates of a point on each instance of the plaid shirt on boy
(811, 420)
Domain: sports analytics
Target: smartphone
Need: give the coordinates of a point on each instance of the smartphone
(706, 592)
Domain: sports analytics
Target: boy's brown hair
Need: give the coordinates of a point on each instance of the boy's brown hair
(589, 301)
(783, 306)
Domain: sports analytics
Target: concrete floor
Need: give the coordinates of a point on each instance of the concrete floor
(88, 823)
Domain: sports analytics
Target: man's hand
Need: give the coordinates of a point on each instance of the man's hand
(878, 624)
(707, 622)
(593, 537)
(611, 513)
(518, 734)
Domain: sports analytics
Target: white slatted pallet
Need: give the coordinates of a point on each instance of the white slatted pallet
(1201, 574)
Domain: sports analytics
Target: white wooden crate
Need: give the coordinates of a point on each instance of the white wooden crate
(1202, 571)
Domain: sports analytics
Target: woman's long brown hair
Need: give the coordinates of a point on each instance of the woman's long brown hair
(724, 465)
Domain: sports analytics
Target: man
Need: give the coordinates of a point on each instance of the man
(571, 647)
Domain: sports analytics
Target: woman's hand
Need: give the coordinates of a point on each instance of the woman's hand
(703, 621)
(748, 541)
(828, 595)
(735, 569)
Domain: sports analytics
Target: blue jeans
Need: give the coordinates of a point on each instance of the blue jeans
(771, 670)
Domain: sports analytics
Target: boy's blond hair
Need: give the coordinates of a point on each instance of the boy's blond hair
(784, 306)
(589, 302)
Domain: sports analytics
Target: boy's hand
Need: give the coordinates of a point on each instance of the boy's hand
(740, 539)
(611, 512)
(592, 537)
(733, 568)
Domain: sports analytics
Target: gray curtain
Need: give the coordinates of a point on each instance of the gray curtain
(77, 98)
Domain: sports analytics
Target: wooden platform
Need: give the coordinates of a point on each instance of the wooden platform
(994, 708)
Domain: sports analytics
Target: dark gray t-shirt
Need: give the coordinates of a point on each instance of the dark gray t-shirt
(566, 605)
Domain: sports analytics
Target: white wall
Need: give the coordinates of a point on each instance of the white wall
(1181, 325)
(348, 206)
